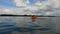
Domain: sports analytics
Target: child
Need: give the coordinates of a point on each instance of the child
(34, 18)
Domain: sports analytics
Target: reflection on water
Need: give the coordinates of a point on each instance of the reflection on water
(52, 22)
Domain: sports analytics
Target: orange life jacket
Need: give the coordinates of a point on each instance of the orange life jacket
(34, 17)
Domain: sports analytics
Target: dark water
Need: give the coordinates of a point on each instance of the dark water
(41, 21)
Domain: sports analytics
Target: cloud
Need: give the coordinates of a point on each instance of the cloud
(21, 3)
(19, 12)
(49, 13)
(5, 11)
(49, 7)
(55, 3)
(28, 9)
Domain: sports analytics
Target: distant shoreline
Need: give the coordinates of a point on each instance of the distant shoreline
(26, 15)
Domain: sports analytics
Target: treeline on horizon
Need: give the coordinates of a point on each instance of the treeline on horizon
(24, 15)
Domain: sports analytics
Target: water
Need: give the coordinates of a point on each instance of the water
(42, 21)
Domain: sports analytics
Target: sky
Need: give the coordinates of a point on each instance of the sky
(30, 7)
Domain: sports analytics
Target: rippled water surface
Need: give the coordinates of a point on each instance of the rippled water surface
(42, 21)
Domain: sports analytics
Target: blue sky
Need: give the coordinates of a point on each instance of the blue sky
(10, 3)
(40, 7)
(32, 2)
(7, 3)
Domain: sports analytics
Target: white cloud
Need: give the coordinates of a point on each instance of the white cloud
(5, 11)
(19, 12)
(21, 3)
(55, 3)
(49, 7)
(49, 13)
